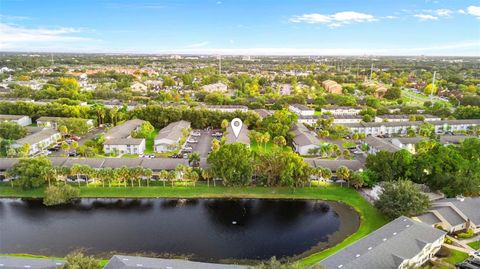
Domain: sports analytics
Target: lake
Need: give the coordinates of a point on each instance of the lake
(202, 229)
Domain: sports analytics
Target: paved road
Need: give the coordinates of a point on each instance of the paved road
(91, 134)
(204, 143)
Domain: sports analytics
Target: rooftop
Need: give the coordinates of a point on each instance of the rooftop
(123, 130)
(130, 262)
(387, 247)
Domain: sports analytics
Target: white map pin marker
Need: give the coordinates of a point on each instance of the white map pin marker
(236, 126)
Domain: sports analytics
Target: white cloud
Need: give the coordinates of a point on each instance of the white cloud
(219, 2)
(198, 45)
(426, 17)
(445, 49)
(390, 17)
(443, 12)
(334, 20)
(18, 36)
(474, 10)
(461, 11)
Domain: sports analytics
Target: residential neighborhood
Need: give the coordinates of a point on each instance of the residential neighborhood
(289, 134)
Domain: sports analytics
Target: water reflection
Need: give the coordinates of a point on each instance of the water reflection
(207, 229)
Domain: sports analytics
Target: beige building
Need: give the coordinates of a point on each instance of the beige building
(332, 86)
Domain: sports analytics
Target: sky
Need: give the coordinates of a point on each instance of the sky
(243, 27)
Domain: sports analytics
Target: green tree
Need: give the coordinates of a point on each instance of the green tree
(30, 173)
(78, 260)
(144, 130)
(279, 141)
(12, 131)
(56, 195)
(402, 198)
(232, 163)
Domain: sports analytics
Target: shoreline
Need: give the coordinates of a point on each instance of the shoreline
(369, 218)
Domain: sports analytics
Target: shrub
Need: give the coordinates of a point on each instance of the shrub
(78, 260)
(56, 195)
(467, 234)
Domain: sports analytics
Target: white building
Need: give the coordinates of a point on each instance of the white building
(52, 122)
(454, 214)
(21, 120)
(338, 119)
(403, 243)
(168, 138)
(215, 87)
(304, 140)
(227, 108)
(401, 128)
(341, 110)
(124, 146)
(119, 139)
(404, 118)
(39, 139)
(301, 110)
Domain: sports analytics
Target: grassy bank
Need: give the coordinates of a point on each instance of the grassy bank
(371, 219)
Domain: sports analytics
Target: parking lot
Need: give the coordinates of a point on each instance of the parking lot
(203, 144)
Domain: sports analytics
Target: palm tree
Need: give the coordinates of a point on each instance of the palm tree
(147, 173)
(123, 174)
(75, 171)
(194, 159)
(193, 175)
(172, 175)
(164, 175)
(344, 173)
(206, 175)
(265, 139)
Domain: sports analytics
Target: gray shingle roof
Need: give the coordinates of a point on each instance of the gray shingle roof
(450, 215)
(130, 262)
(381, 144)
(173, 131)
(469, 207)
(387, 247)
(11, 117)
(334, 164)
(303, 136)
(123, 130)
(8, 262)
(429, 218)
(37, 137)
(124, 141)
(242, 136)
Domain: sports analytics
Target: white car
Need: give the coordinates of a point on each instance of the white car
(192, 141)
(196, 134)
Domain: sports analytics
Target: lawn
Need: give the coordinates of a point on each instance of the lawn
(254, 146)
(23, 255)
(475, 245)
(149, 142)
(455, 257)
(371, 219)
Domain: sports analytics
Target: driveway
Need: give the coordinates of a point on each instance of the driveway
(204, 143)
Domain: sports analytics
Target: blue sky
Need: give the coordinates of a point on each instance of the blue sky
(305, 27)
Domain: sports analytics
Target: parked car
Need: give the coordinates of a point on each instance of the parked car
(46, 152)
(191, 140)
(69, 140)
(75, 137)
(196, 134)
(217, 134)
(185, 156)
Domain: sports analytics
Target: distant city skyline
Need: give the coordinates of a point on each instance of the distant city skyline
(229, 27)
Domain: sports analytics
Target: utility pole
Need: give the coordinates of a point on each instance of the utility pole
(371, 71)
(220, 65)
(51, 57)
(433, 85)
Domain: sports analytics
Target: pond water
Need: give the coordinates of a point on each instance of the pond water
(202, 229)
